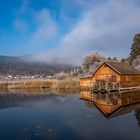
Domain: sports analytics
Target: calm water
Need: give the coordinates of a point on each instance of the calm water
(61, 116)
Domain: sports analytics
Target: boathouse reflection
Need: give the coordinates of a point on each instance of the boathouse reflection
(115, 103)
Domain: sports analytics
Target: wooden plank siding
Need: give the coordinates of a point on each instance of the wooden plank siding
(86, 82)
(129, 80)
(105, 73)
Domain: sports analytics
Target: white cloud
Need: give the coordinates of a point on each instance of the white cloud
(46, 28)
(39, 26)
(108, 28)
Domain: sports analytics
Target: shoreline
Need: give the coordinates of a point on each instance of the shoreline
(40, 84)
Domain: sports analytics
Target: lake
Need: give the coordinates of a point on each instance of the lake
(69, 116)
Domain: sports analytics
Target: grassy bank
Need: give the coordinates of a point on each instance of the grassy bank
(40, 84)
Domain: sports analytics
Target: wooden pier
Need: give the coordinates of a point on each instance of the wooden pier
(105, 87)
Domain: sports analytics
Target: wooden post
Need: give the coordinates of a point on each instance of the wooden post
(99, 86)
(113, 86)
(119, 86)
(106, 86)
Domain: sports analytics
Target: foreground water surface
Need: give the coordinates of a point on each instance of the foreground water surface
(66, 116)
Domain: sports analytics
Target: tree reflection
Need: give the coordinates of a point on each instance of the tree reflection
(137, 115)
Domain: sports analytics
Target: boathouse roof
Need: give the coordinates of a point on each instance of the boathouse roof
(87, 75)
(121, 68)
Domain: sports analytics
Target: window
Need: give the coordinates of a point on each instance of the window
(113, 78)
(107, 78)
(128, 78)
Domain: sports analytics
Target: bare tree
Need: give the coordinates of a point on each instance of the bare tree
(93, 60)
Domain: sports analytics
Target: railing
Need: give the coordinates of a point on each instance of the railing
(104, 85)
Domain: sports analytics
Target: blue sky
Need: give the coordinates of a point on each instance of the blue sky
(66, 30)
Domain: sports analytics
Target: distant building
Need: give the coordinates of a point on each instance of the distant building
(113, 73)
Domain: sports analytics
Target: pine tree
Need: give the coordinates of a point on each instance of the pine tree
(135, 49)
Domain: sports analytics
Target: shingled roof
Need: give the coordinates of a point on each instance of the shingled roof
(121, 68)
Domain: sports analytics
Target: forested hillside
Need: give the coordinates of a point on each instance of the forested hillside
(16, 65)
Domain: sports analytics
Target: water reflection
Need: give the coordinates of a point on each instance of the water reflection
(115, 103)
(137, 115)
(35, 116)
(17, 98)
(45, 115)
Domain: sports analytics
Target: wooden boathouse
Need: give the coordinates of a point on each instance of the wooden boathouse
(112, 76)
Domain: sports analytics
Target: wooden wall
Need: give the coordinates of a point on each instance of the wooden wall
(86, 82)
(130, 80)
(105, 72)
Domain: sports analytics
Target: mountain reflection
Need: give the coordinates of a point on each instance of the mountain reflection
(18, 98)
(115, 103)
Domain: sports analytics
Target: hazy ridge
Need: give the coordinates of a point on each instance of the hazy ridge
(18, 65)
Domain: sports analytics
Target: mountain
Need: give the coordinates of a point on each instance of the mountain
(18, 66)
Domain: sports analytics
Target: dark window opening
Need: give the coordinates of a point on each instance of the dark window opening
(113, 78)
